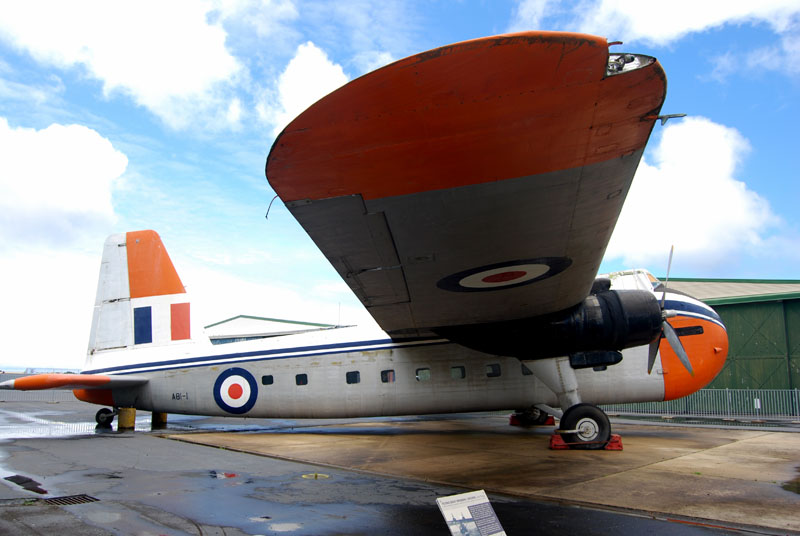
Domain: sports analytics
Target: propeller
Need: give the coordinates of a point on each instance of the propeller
(668, 331)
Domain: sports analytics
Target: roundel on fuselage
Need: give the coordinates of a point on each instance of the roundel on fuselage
(236, 391)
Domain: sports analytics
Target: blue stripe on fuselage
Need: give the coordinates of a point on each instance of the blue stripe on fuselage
(692, 309)
(266, 355)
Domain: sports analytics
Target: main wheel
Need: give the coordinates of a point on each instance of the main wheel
(591, 425)
(104, 417)
(532, 416)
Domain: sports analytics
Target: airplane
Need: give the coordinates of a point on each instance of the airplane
(466, 195)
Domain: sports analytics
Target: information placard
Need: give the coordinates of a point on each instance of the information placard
(470, 514)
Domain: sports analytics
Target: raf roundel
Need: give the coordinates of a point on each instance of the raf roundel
(236, 391)
(504, 275)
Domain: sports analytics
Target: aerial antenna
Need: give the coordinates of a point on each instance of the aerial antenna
(266, 216)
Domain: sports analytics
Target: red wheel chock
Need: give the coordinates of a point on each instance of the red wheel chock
(558, 443)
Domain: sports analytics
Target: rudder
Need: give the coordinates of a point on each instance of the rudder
(140, 300)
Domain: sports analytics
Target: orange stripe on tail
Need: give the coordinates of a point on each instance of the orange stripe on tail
(150, 270)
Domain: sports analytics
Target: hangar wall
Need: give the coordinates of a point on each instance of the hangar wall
(764, 345)
(763, 322)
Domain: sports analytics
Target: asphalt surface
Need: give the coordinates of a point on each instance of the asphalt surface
(146, 483)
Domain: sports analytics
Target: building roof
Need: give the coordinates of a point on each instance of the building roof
(257, 326)
(726, 291)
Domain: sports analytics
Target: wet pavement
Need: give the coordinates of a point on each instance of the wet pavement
(370, 476)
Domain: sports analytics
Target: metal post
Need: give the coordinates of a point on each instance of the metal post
(728, 393)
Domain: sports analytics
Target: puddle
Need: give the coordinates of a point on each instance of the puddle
(793, 485)
(26, 483)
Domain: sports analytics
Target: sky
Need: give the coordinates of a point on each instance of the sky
(120, 116)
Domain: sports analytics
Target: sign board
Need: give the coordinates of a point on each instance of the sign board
(470, 514)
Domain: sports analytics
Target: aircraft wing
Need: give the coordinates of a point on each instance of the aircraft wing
(71, 381)
(478, 182)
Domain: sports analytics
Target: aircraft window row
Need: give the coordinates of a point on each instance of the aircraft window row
(458, 372)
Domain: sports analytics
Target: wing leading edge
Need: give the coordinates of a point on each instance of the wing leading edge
(475, 183)
(71, 381)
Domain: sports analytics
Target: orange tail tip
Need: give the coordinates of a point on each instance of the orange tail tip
(150, 270)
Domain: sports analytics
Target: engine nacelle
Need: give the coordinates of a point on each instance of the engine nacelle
(609, 320)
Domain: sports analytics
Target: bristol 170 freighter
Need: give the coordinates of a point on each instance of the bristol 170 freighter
(466, 195)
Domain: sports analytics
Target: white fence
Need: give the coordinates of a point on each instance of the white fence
(722, 403)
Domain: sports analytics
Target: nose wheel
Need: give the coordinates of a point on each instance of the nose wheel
(584, 426)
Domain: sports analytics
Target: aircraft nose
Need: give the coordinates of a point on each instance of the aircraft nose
(706, 344)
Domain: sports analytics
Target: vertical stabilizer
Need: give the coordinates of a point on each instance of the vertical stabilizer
(141, 301)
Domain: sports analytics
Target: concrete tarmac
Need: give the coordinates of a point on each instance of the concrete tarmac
(382, 476)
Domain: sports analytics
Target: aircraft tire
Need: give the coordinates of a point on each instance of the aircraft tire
(594, 428)
(104, 417)
(532, 417)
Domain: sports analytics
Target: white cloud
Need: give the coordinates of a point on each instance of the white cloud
(666, 22)
(166, 56)
(784, 56)
(372, 59)
(48, 297)
(530, 14)
(55, 183)
(657, 23)
(309, 76)
(662, 23)
(690, 197)
(55, 202)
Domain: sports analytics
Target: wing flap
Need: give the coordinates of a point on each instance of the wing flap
(71, 381)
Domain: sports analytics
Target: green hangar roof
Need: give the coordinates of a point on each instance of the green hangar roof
(730, 291)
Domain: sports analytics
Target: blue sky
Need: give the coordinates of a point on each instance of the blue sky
(126, 116)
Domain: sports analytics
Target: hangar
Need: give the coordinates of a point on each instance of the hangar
(247, 328)
(763, 322)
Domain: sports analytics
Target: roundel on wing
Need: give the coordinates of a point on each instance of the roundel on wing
(236, 391)
(504, 275)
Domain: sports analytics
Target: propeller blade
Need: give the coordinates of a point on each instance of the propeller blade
(666, 279)
(653, 352)
(677, 346)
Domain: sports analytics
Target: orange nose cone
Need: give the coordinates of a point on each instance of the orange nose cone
(707, 352)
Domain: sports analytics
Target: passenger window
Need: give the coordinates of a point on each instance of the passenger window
(526, 371)
(267, 380)
(353, 377)
(387, 376)
(493, 370)
(458, 373)
(301, 379)
(423, 374)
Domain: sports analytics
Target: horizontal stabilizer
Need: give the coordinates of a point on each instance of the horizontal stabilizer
(71, 381)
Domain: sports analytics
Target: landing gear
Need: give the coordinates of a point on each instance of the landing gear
(104, 417)
(585, 426)
(532, 416)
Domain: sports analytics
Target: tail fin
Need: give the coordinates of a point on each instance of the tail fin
(140, 301)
